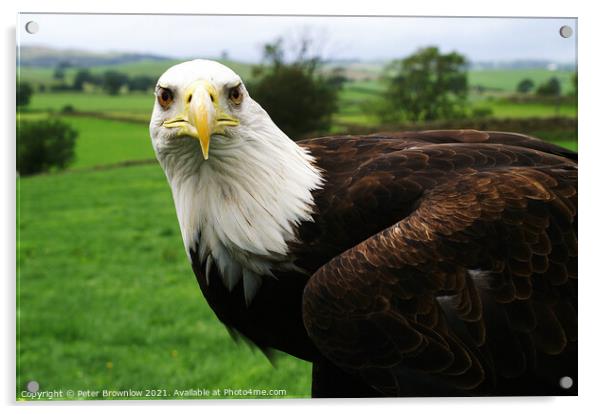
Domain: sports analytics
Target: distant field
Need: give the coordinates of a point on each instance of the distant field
(107, 299)
(508, 79)
(354, 105)
(368, 73)
(155, 69)
(503, 80)
(45, 76)
(356, 98)
(132, 103)
(504, 109)
(152, 68)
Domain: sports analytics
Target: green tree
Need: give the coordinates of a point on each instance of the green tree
(549, 88)
(24, 93)
(337, 77)
(575, 81)
(426, 86)
(525, 86)
(81, 77)
(113, 81)
(141, 83)
(298, 98)
(43, 145)
(59, 71)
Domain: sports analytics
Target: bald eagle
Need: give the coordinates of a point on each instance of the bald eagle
(434, 263)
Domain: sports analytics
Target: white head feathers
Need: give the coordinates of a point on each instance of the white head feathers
(242, 205)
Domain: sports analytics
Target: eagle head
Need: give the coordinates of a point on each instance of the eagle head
(239, 184)
(200, 99)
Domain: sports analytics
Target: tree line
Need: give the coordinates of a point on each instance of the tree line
(110, 81)
(550, 87)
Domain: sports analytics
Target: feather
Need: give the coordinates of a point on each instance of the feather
(208, 265)
(251, 283)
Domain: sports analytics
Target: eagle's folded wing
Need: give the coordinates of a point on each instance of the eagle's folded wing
(476, 286)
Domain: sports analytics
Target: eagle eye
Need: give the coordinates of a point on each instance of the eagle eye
(164, 97)
(235, 95)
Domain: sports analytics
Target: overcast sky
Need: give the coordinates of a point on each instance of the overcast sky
(367, 38)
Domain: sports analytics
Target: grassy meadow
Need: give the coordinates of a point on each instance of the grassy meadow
(106, 297)
(128, 105)
(105, 142)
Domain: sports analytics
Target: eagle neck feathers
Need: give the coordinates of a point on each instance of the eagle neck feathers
(239, 210)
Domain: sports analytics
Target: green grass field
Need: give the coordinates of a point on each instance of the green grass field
(125, 104)
(103, 142)
(45, 76)
(354, 105)
(507, 80)
(504, 109)
(107, 299)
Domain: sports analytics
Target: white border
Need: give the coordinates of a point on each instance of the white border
(589, 150)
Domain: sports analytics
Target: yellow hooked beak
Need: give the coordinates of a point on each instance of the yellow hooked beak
(202, 116)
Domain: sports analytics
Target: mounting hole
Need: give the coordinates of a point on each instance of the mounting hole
(33, 386)
(566, 31)
(566, 382)
(32, 27)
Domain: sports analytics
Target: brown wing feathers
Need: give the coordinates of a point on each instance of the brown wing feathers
(471, 288)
